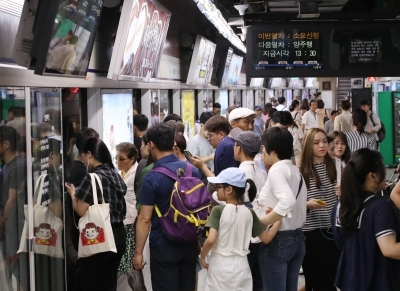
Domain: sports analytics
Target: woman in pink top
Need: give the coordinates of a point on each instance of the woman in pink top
(264, 115)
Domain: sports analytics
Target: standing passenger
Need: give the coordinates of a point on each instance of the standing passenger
(310, 119)
(99, 271)
(358, 138)
(343, 121)
(173, 265)
(231, 227)
(127, 164)
(319, 172)
(285, 192)
(365, 228)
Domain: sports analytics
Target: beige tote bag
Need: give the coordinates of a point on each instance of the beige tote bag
(95, 232)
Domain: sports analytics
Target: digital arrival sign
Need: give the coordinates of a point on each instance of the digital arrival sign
(286, 49)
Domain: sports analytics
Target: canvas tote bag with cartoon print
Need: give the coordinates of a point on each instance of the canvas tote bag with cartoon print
(95, 232)
(47, 227)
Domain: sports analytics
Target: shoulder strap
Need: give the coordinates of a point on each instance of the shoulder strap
(370, 117)
(188, 170)
(295, 116)
(170, 174)
(164, 171)
(300, 186)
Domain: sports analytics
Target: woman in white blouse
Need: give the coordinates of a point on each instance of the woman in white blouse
(127, 164)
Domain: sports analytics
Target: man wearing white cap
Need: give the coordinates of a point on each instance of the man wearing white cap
(242, 118)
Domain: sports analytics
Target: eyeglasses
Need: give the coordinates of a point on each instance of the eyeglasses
(210, 135)
(120, 159)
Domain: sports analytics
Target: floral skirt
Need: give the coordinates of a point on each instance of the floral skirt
(127, 259)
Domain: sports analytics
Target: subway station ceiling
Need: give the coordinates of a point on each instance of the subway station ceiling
(270, 10)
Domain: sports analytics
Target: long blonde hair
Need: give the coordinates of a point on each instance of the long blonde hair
(307, 168)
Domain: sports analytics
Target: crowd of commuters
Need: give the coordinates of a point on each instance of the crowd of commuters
(290, 191)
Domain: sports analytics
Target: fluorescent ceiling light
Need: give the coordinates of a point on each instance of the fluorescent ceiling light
(215, 17)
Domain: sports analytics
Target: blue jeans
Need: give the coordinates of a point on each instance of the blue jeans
(281, 259)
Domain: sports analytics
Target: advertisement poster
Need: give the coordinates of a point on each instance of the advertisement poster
(117, 119)
(148, 26)
(234, 70)
(188, 112)
(200, 70)
(250, 99)
(71, 45)
(223, 99)
(207, 100)
(226, 67)
(159, 106)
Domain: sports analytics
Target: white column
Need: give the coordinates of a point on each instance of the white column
(95, 110)
(176, 102)
(146, 102)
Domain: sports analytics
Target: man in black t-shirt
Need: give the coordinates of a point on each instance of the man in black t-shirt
(12, 207)
(140, 123)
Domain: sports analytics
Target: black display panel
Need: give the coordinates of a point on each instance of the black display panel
(365, 48)
(286, 49)
(68, 40)
(323, 49)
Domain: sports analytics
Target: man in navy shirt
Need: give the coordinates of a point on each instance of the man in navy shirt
(242, 118)
(172, 265)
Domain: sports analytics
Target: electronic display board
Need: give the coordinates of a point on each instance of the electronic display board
(323, 49)
(73, 32)
(365, 51)
(286, 49)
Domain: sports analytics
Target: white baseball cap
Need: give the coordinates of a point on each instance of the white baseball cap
(240, 113)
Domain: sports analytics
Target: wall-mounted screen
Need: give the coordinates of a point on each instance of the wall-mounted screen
(234, 70)
(304, 49)
(286, 49)
(200, 69)
(224, 75)
(140, 41)
(256, 82)
(358, 48)
(73, 31)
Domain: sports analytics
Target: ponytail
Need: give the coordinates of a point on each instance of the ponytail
(360, 128)
(252, 189)
(362, 163)
(350, 198)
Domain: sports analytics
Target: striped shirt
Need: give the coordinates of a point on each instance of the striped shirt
(320, 218)
(358, 141)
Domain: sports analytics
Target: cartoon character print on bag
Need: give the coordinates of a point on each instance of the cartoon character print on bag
(45, 235)
(92, 234)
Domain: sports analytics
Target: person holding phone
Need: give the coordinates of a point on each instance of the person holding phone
(322, 256)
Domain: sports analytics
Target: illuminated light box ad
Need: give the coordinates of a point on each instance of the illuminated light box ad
(200, 69)
(70, 48)
(286, 49)
(224, 76)
(117, 118)
(140, 41)
(234, 70)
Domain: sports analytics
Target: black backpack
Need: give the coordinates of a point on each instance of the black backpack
(382, 132)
